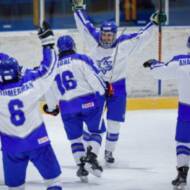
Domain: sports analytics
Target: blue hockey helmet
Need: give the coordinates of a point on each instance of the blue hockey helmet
(110, 28)
(188, 42)
(65, 43)
(10, 70)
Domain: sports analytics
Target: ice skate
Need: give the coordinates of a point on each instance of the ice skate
(92, 164)
(181, 180)
(109, 158)
(82, 173)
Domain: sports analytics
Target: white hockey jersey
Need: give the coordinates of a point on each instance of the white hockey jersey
(19, 109)
(177, 68)
(112, 68)
(76, 87)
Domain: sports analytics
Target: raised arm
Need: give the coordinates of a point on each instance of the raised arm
(87, 30)
(43, 76)
(135, 42)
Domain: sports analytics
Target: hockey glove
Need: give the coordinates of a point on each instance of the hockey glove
(55, 112)
(78, 4)
(158, 18)
(149, 63)
(46, 35)
(109, 89)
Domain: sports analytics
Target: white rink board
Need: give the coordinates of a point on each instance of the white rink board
(25, 46)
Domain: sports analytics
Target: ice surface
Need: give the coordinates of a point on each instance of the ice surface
(145, 155)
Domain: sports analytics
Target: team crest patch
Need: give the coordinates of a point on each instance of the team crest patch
(105, 64)
(88, 105)
(43, 140)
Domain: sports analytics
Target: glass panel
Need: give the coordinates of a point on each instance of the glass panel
(59, 13)
(101, 10)
(136, 12)
(61, 16)
(179, 12)
(16, 14)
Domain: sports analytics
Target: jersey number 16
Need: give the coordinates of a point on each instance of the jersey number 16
(65, 81)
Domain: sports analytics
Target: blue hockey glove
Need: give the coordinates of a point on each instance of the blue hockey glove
(46, 35)
(55, 112)
(158, 18)
(78, 4)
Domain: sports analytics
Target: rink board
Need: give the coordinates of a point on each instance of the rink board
(140, 82)
(151, 103)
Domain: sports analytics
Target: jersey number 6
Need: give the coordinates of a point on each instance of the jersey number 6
(65, 81)
(17, 115)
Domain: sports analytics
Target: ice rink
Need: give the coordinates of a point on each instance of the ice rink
(145, 155)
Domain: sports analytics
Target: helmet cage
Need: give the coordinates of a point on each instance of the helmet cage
(108, 27)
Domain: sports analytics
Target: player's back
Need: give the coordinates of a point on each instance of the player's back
(76, 82)
(183, 76)
(19, 108)
(76, 77)
(181, 64)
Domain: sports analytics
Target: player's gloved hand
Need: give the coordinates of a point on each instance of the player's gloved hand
(149, 63)
(158, 18)
(78, 4)
(55, 112)
(109, 89)
(46, 35)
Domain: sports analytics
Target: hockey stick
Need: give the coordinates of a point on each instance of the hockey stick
(42, 12)
(38, 12)
(160, 47)
(160, 34)
(116, 54)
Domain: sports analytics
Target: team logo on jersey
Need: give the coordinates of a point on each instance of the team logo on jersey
(105, 64)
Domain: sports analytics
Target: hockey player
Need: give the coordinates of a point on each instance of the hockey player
(23, 133)
(178, 68)
(110, 54)
(80, 95)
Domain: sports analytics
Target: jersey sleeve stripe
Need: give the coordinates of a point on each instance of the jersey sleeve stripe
(88, 25)
(126, 37)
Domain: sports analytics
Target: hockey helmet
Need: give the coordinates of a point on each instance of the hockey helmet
(65, 43)
(108, 31)
(10, 70)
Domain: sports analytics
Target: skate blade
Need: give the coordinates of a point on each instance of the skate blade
(180, 187)
(109, 165)
(84, 179)
(96, 173)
